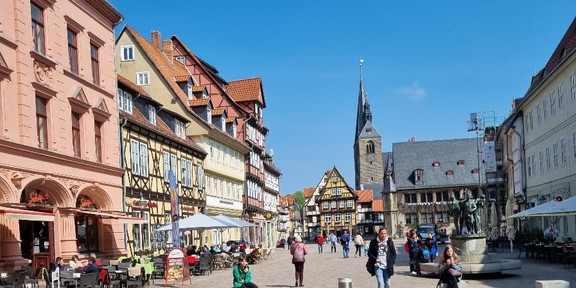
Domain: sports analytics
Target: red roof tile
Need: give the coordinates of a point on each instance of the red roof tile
(217, 111)
(364, 196)
(378, 205)
(132, 86)
(246, 90)
(199, 102)
(308, 192)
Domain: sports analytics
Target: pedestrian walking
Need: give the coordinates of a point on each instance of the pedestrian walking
(320, 241)
(358, 242)
(290, 241)
(298, 251)
(333, 240)
(382, 254)
(345, 242)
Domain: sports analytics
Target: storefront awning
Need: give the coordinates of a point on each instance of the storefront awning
(108, 215)
(29, 215)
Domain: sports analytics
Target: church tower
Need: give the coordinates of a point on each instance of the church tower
(368, 162)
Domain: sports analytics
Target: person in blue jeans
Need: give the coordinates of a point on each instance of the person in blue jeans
(382, 254)
(345, 242)
(333, 240)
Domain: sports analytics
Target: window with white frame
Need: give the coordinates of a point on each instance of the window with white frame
(548, 158)
(199, 179)
(127, 52)
(560, 91)
(529, 167)
(342, 204)
(170, 163)
(347, 217)
(349, 203)
(555, 154)
(139, 158)
(181, 59)
(337, 217)
(336, 191)
(152, 114)
(327, 218)
(533, 164)
(541, 161)
(141, 231)
(563, 150)
(333, 204)
(538, 114)
(209, 114)
(186, 166)
(325, 204)
(545, 109)
(124, 100)
(552, 99)
(573, 85)
(179, 129)
(143, 78)
(531, 121)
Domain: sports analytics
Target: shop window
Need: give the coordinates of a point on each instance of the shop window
(86, 226)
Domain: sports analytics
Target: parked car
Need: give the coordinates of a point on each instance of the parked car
(424, 229)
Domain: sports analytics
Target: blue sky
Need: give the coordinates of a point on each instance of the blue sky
(428, 65)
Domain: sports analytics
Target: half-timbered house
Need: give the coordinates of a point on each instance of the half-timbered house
(337, 201)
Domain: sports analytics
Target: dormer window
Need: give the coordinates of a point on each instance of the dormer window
(209, 114)
(418, 175)
(461, 162)
(474, 171)
(204, 94)
(179, 129)
(450, 173)
(436, 164)
(152, 114)
(124, 100)
(223, 123)
(189, 90)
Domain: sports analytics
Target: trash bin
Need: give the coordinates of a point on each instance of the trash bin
(344, 283)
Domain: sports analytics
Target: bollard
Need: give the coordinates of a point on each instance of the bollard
(344, 283)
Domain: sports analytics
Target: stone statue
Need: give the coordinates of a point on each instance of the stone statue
(467, 213)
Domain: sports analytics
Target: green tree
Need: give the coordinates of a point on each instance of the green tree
(299, 203)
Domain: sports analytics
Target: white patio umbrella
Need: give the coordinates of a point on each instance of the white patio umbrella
(239, 223)
(566, 207)
(198, 222)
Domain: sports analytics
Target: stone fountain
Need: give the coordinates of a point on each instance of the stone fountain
(469, 241)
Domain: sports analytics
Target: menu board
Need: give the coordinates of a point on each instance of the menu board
(177, 266)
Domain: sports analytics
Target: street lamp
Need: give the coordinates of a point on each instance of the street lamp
(476, 124)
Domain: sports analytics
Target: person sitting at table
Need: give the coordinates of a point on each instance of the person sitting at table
(57, 263)
(75, 262)
(92, 267)
(98, 262)
(215, 249)
(206, 252)
(242, 274)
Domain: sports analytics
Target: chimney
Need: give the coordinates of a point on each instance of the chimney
(168, 49)
(155, 38)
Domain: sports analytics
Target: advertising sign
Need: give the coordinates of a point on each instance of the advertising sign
(177, 266)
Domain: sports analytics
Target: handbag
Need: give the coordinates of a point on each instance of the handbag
(455, 272)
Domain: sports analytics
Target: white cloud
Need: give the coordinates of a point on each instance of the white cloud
(413, 92)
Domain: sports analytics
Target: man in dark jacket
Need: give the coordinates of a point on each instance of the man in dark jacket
(382, 256)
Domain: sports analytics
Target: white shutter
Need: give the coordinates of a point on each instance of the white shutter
(166, 159)
(174, 165)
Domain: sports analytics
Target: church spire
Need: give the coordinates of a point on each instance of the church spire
(364, 114)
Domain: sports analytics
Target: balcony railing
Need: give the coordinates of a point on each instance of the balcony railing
(311, 213)
(363, 210)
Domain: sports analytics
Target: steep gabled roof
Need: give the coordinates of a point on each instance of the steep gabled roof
(364, 196)
(247, 90)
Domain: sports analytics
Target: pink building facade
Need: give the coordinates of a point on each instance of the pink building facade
(60, 177)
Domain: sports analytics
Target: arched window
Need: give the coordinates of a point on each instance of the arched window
(370, 147)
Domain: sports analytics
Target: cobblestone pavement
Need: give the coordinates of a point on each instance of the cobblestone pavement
(323, 270)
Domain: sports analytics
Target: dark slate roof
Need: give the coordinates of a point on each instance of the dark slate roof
(387, 161)
(376, 189)
(409, 156)
(368, 131)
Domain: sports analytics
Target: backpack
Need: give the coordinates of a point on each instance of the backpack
(406, 247)
(424, 256)
(343, 239)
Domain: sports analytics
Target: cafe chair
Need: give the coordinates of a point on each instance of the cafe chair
(18, 279)
(114, 278)
(89, 279)
(159, 268)
(205, 265)
(134, 277)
